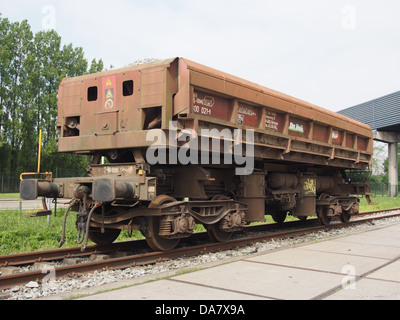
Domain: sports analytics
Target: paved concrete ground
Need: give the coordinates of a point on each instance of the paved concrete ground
(361, 266)
(15, 204)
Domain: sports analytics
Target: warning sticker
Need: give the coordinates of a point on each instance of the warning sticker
(109, 90)
(108, 83)
(110, 93)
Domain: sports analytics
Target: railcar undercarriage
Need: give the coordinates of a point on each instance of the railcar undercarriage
(165, 206)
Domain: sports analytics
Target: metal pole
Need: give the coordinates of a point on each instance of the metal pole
(40, 150)
(393, 169)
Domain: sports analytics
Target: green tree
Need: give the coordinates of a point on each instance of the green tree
(5, 151)
(31, 69)
(96, 66)
(16, 42)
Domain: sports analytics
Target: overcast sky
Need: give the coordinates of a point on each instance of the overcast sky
(333, 53)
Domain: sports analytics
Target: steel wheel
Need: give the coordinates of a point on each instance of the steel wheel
(279, 216)
(216, 234)
(153, 239)
(323, 217)
(345, 216)
(99, 238)
(213, 230)
(108, 237)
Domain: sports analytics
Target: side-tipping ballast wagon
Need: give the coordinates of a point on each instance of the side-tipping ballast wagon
(186, 144)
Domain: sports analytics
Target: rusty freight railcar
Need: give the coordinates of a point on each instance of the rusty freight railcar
(187, 144)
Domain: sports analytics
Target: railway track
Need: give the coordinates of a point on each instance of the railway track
(136, 253)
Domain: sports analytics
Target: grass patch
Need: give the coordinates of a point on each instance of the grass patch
(9, 195)
(382, 203)
(19, 233)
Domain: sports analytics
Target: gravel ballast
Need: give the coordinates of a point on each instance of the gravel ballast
(70, 286)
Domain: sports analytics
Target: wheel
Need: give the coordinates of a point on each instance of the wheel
(153, 239)
(102, 239)
(279, 216)
(345, 216)
(323, 217)
(214, 232)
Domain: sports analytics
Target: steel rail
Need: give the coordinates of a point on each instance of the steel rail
(58, 254)
(9, 281)
(139, 245)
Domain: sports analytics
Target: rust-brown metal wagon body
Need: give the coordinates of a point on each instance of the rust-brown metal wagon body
(175, 132)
